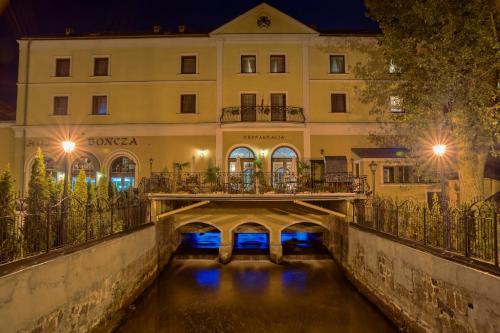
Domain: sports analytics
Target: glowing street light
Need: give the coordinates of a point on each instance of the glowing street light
(68, 146)
(439, 150)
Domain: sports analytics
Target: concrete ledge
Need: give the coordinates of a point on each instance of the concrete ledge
(85, 290)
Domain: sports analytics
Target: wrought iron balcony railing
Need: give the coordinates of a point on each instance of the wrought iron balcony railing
(251, 183)
(262, 113)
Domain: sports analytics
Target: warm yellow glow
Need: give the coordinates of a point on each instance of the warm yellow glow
(68, 146)
(202, 152)
(263, 152)
(439, 149)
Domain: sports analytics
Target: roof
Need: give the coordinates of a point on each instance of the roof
(381, 152)
(282, 24)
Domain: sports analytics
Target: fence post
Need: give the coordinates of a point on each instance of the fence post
(111, 214)
(397, 220)
(495, 237)
(466, 232)
(48, 227)
(87, 217)
(425, 225)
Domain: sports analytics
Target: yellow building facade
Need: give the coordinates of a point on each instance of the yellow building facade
(138, 104)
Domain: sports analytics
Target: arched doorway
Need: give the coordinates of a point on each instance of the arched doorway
(198, 238)
(122, 173)
(250, 238)
(241, 166)
(304, 238)
(283, 164)
(87, 163)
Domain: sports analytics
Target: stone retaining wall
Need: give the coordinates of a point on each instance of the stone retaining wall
(419, 291)
(86, 290)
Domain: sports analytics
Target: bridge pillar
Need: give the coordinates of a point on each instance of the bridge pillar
(276, 252)
(225, 252)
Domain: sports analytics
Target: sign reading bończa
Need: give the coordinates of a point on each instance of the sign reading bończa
(112, 141)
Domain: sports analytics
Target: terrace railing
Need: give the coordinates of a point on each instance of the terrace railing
(66, 223)
(251, 182)
(261, 113)
(469, 231)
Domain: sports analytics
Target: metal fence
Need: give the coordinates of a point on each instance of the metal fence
(470, 231)
(251, 182)
(27, 231)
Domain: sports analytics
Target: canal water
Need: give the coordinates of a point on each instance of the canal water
(197, 296)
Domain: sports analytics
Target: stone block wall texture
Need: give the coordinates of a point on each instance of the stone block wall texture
(427, 293)
(86, 290)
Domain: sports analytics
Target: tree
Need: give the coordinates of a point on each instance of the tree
(8, 231)
(38, 191)
(77, 209)
(102, 189)
(444, 60)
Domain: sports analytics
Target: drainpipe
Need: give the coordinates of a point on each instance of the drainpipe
(25, 114)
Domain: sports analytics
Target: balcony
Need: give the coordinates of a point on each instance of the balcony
(253, 185)
(262, 113)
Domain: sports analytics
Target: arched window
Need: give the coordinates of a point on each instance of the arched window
(122, 173)
(246, 157)
(282, 160)
(241, 164)
(87, 163)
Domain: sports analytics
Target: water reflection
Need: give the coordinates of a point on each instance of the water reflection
(253, 296)
(207, 277)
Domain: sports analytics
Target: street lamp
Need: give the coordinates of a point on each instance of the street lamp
(68, 147)
(373, 168)
(440, 150)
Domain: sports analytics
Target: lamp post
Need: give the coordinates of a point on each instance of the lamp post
(373, 168)
(68, 147)
(440, 150)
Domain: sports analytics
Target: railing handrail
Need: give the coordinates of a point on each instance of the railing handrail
(251, 181)
(292, 114)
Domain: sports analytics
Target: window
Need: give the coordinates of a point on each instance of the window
(63, 67)
(99, 105)
(188, 64)
(248, 107)
(339, 102)
(188, 103)
(337, 64)
(60, 105)
(248, 64)
(122, 173)
(101, 66)
(278, 107)
(87, 163)
(396, 103)
(398, 174)
(388, 175)
(277, 64)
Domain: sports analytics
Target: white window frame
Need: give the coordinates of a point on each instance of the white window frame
(92, 65)
(188, 55)
(256, 63)
(269, 62)
(392, 107)
(53, 105)
(107, 104)
(346, 71)
(347, 109)
(197, 108)
(54, 71)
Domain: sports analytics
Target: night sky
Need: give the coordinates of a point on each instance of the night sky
(50, 17)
